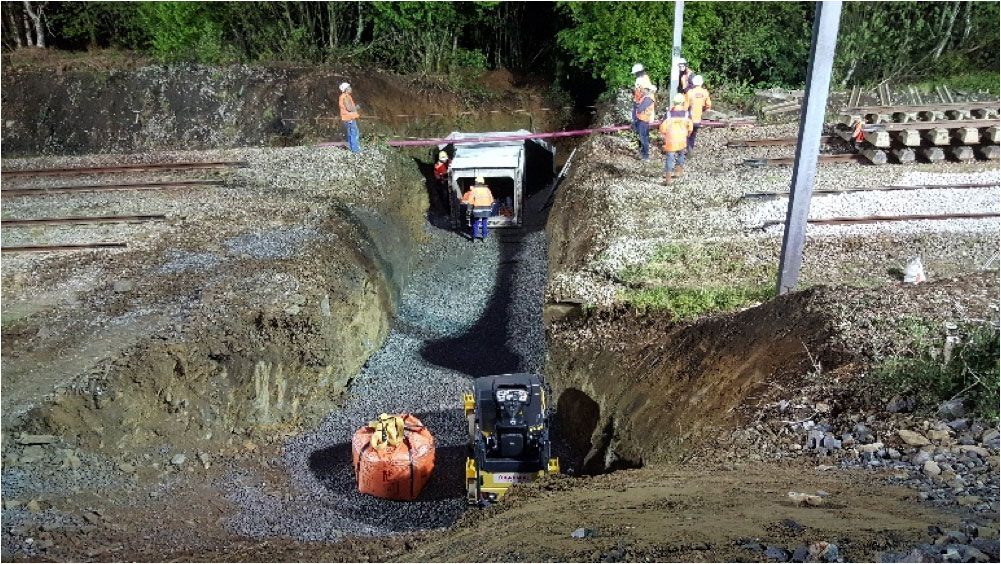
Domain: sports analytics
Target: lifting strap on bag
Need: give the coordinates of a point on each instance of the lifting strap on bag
(388, 430)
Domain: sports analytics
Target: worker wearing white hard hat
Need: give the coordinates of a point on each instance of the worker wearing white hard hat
(480, 203)
(684, 75)
(697, 100)
(349, 115)
(441, 169)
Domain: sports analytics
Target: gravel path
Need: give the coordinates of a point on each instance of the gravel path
(473, 309)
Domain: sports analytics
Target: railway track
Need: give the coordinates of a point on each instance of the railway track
(68, 247)
(82, 220)
(88, 188)
(822, 159)
(774, 141)
(887, 188)
(886, 218)
(155, 167)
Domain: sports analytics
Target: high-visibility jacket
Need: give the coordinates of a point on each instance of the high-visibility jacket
(479, 196)
(697, 99)
(440, 170)
(641, 82)
(675, 129)
(349, 111)
(646, 114)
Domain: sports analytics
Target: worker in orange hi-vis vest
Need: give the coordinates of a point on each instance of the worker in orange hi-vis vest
(675, 129)
(481, 202)
(349, 115)
(697, 99)
(643, 114)
(441, 168)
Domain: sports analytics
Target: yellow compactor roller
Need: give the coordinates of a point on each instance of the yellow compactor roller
(508, 435)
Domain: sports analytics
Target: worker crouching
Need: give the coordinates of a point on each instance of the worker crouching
(674, 130)
(481, 202)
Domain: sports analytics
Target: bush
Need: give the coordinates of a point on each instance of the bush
(972, 372)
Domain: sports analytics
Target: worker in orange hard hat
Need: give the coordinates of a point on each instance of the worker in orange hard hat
(697, 100)
(480, 200)
(643, 114)
(349, 115)
(674, 130)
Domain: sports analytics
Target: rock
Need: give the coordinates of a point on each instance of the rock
(71, 460)
(34, 506)
(957, 537)
(830, 442)
(32, 454)
(974, 555)
(126, 467)
(968, 500)
(959, 424)
(831, 554)
(899, 404)
(938, 435)
(179, 459)
(777, 554)
(952, 409)
(912, 438)
(205, 460)
(931, 468)
(991, 438)
(582, 533)
(870, 448)
(11, 504)
(26, 439)
(123, 286)
(800, 554)
(804, 498)
(951, 555)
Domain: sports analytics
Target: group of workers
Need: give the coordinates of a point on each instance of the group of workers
(681, 122)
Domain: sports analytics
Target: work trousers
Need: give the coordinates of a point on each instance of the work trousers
(671, 158)
(691, 136)
(480, 227)
(354, 143)
(643, 130)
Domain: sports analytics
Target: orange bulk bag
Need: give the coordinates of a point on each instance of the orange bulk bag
(393, 457)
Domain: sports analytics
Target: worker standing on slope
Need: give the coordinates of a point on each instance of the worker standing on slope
(349, 115)
(684, 76)
(642, 81)
(480, 201)
(643, 113)
(674, 130)
(697, 99)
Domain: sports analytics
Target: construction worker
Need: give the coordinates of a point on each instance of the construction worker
(674, 130)
(480, 200)
(643, 113)
(697, 99)
(642, 81)
(349, 115)
(441, 168)
(684, 76)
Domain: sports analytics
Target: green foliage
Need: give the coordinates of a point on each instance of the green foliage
(691, 280)
(972, 372)
(183, 31)
(984, 81)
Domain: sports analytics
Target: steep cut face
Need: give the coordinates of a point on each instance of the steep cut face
(635, 388)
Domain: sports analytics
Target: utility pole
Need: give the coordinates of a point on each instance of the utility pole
(679, 12)
(811, 123)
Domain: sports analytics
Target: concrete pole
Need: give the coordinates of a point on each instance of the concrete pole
(679, 12)
(811, 124)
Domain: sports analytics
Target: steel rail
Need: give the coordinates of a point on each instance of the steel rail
(68, 247)
(154, 167)
(887, 188)
(887, 218)
(86, 188)
(877, 108)
(848, 157)
(773, 142)
(81, 220)
(936, 124)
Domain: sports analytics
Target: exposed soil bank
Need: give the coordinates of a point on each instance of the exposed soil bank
(195, 107)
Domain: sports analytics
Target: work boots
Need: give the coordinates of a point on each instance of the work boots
(667, 179)
(679, 171)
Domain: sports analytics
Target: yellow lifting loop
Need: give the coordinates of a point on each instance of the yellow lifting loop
(389, 431)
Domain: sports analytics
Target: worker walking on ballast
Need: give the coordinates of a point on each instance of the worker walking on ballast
(481, 202)
(674, 130)
(643, 113)
(697, 100)
(349, 115)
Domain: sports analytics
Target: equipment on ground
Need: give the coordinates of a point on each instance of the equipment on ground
(393, 457)
(508, 435)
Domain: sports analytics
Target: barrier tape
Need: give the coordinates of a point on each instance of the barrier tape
(411, 142)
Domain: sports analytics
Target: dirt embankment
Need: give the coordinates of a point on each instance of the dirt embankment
(155, 108)
(243, 318)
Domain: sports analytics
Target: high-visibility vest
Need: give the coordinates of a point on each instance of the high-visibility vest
(479, 196)
(698, 101)
(675, 129)
(345, 102)
(647, 114)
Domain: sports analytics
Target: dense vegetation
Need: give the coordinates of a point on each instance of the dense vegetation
(752, 43)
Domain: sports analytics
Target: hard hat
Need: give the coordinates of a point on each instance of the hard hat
(679, 98)
(637, 68)
(643, 82)
(697, 80)
(345, 86)
(443, 156)
(682, 61)
(480, 180)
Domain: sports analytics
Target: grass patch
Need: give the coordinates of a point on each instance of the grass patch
(691, 280)
(967, 82)
(972, 371)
